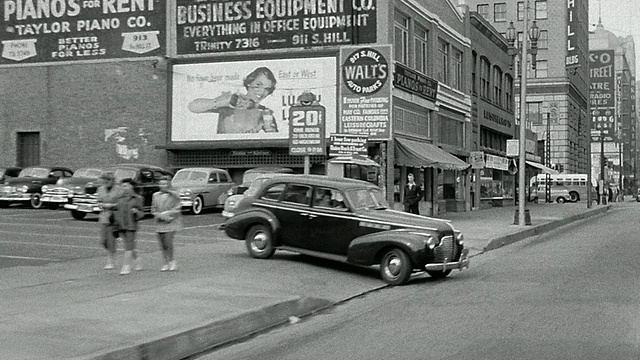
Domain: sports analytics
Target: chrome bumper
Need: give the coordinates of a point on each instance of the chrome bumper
(449, 265)
(16, 197)
(88, 208)
(227, 214)
(54, 198)
(186, 203)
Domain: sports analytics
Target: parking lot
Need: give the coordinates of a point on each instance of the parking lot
(35, 237)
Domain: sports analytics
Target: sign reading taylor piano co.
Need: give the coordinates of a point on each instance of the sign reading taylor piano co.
(51, 31)
(213, 26)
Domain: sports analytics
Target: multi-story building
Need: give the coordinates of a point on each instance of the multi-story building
(493, 120)
(620, 146)
(558, 87)
(192, 83)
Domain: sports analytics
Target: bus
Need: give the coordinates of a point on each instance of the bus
(574, 184)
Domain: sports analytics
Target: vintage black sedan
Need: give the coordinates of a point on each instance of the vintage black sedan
(8, 172)
(63, 191)
(345, 220)
(27, 187)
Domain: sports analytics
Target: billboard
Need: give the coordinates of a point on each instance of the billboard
(247, 100)
(214, 26)
(365, 91)
(602, 94)
(52, 31)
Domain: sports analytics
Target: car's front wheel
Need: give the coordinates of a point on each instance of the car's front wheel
(78, 215)
(198, 205)
(36, 201)
(574, 196)
(395, 267)
(560, 200)
(259, 241)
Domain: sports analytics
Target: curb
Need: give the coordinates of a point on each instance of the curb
(540, 229)
(218, 333)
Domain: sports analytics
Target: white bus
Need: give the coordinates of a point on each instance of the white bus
(574, 184)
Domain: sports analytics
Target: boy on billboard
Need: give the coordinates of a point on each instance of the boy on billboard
(242, 113)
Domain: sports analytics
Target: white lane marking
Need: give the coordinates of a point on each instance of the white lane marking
(27, 258)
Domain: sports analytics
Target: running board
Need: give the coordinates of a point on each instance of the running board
(314, 253)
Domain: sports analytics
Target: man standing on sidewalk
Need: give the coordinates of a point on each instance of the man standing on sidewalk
(107, 196)
(412, 195)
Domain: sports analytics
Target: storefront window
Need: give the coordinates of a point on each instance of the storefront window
(496, 184)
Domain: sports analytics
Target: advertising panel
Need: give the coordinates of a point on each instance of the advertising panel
(572, 59)
(247, 100)
(365, 91)
(51, 31)
(306, 130)
(214, 26)
(415, 83)
(347, 144)
(602, 94)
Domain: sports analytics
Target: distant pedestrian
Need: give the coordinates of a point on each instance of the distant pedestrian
(129, 211)
(107, 196)
(167, 211)
(412, 195)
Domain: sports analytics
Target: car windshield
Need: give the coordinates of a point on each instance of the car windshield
(34, 172)
(190, 175)
(255, 186)
(87, 173)
(120, 174)
(366, 199)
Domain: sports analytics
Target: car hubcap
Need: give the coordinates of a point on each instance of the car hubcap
(35, 201)
(197, 206)
(393, 266)
(259, 241)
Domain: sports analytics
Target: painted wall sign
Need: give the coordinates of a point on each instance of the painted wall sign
(307, 130)
(365, 92)
(50, 31)
(214, 26)
(247, 100)
(602, 94)
(415, 83)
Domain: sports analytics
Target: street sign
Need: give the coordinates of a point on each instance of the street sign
(307, 130)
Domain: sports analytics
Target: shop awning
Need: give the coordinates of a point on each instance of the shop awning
(354, 159)
(545, 169)
(419, 154)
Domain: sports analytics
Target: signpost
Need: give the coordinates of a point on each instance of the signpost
(307, 130)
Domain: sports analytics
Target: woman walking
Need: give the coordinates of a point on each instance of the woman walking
(167, 211)
(107, 196)
(128, 211)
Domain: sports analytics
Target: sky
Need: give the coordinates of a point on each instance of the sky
(621, 17)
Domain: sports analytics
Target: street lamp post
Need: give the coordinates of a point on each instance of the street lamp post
(533, 35)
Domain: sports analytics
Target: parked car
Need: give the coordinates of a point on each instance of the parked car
(232, 201)
(345, 220)
(146, 176)
(252, 174)
(27, 187)
(63, 191)
(559, 195)
(8, 172)
(201, 188)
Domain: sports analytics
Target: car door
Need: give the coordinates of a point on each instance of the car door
(292, 211)
(324, 220)
(146, 186)
(212, 189)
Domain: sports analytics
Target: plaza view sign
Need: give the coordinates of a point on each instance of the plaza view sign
(213, 26)
(49, 31)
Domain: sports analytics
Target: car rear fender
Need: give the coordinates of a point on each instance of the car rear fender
(369, 249)
(238, 226)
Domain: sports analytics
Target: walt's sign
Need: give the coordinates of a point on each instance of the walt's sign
(50, 31)
(213, 26)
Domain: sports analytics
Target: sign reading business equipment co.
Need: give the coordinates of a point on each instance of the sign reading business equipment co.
(214, 26)
(50, 31)
(365, 92)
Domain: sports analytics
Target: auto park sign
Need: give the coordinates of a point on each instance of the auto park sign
(53, 31)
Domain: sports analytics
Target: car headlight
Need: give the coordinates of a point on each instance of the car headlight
(23, 189)
(429, 240)
(458, 235)
(185, 192)
(230, 192)
(45, 188)
(231, 203)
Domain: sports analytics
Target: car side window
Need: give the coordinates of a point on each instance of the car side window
(146, 177)
(299, 194)
(223, 177)
(213, 178)
(273, 192)
(328, 198)
(56, 173)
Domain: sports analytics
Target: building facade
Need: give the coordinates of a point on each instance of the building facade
(558, 87)
(493, 119)
(206, 84)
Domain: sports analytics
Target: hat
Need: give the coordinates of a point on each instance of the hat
(107, 175)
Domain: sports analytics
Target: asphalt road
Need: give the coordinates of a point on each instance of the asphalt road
(31, 237)
(570, 294)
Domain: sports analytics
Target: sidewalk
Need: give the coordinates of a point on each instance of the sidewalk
(74, 310)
